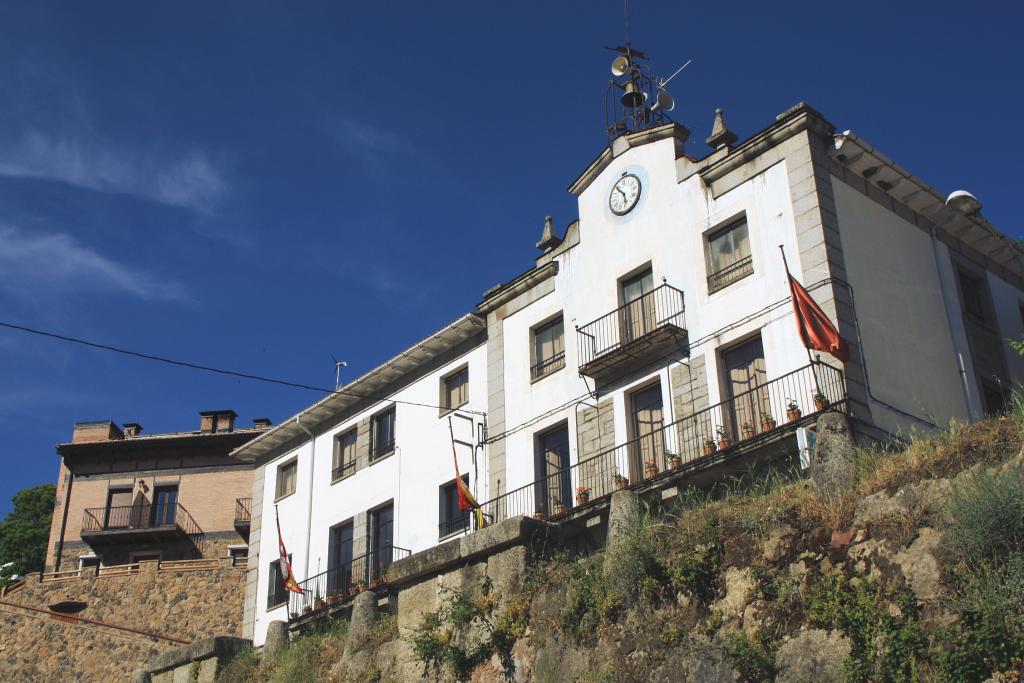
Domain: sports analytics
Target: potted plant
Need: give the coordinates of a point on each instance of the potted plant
(294, 616)
(650, 468)
(582, 495)
(318, 603)
(747, 430)
(559, 507)
(767, 421)
(724, 440)
(820, 400)
(709, 446)
(792, 410)
(308, 609)
(332, 598)
(673, 460)
(620, 480)
(537, 514)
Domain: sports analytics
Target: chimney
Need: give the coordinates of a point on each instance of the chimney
(100, 430)
(217, 421)
(261, 423)
(132, 429)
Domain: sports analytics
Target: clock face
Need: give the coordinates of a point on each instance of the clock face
(625, 194)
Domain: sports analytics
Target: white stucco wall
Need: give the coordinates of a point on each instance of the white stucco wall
(907, 338)
(666, 229)
(411, 477)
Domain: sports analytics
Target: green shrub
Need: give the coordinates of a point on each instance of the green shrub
(887, 637)
(753, 659)
(241, 668)
(465, 632)
(990, 632)
(985, 516)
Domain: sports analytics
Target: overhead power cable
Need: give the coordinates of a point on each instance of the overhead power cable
(219, 371)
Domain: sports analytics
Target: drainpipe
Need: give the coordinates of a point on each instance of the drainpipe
(309, 507)
(949, 323)
(63, 521)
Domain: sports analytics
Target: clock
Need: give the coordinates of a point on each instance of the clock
(625, 194)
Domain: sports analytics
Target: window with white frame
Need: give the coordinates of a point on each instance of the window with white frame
(728, 254)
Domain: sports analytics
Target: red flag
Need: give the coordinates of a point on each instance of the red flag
(816, 330)
(286, 575)
(466, 499)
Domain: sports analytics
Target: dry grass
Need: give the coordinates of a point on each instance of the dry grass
(754, 507)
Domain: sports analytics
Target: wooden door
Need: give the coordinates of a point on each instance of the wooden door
(745, 379)
(638, 314)
(647, 420)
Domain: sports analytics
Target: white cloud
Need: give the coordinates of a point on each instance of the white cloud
(58, 263)
(369, 139)
(190, 181)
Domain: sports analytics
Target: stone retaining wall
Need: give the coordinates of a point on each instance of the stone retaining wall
(178, 600)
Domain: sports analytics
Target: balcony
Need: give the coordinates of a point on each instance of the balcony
(243, 515)
(706, 446)
(634, 335)
(338, 584)
(146, 523)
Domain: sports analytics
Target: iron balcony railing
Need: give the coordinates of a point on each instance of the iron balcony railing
(661, 307)
(732, 273)
(344, 581)
(343, 470)
(547, 365)
(686, 443)
(459, 522)
(243, 511)
(140, 517)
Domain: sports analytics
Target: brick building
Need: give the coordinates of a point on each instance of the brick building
(124, 497)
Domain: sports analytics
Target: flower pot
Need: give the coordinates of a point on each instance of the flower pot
(710, 448)
(768, 424)
(582, 498)
(538, 515)
(650, 471)
(724, 442)
(307, 609)
(621, 483)
(820, 404)
(748, 432)
(319, 605)
(675, 463)
(793, 415)
(559, 508)
(294, 615)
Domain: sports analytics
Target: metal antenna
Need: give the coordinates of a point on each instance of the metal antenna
(338, 365)
(625, 4)
(662, 84)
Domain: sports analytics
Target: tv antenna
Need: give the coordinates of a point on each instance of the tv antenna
(338, 365)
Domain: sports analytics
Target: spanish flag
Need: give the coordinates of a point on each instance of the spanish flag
(286, 566)
(466, 499)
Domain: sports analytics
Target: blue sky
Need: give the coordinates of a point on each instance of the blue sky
(253, 187)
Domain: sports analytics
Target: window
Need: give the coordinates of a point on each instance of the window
(344, 455)
(238, 554)
(728, 254)
(548, 348)
(451, 519)
(276, 593)
(455, 390)
(381, 539)
(88, 561)
(144, 556)
(286, 474)
(382, 433)
(555, 493)
(972, 295)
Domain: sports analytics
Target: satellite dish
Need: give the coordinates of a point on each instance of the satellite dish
(620, 66)
(664, 101)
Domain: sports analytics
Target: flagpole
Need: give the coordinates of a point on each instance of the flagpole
(789, 283)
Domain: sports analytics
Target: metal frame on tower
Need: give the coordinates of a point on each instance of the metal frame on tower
(634, 100)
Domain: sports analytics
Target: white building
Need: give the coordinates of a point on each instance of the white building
(659, 321)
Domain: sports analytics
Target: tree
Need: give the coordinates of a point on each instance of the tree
(25, 531)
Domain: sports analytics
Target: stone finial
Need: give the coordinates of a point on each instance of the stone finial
(548, 239)
(721, 136)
